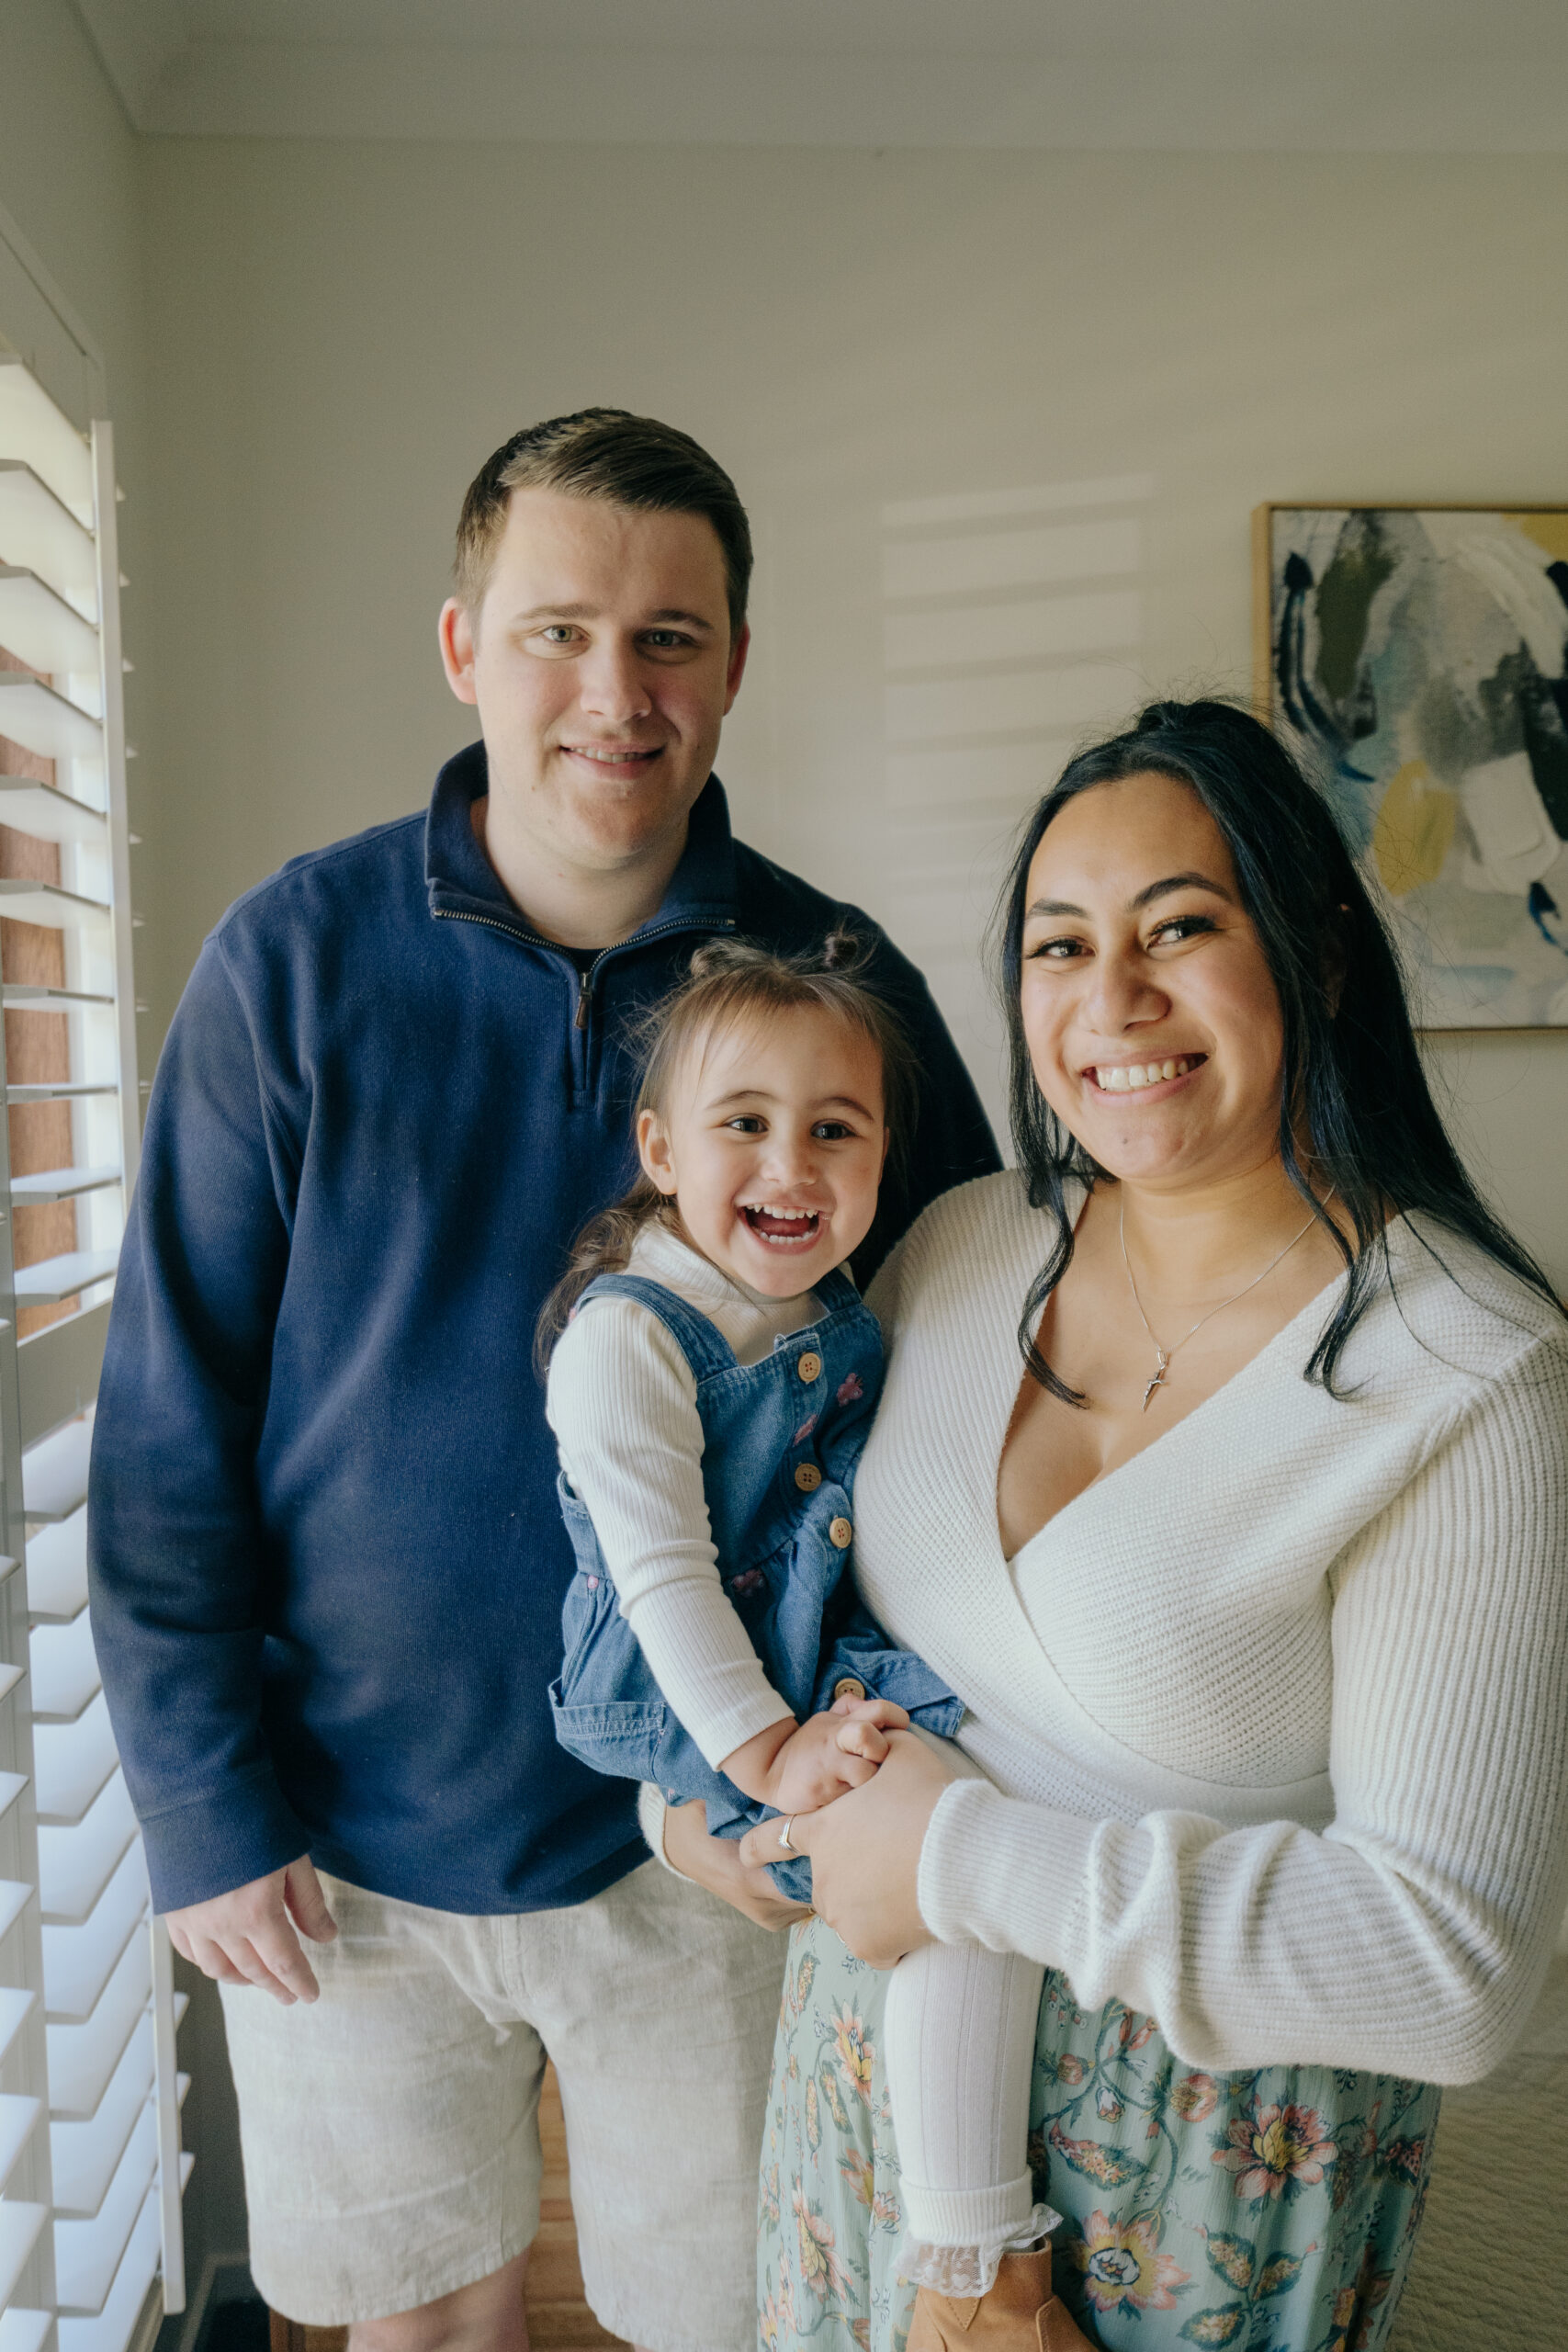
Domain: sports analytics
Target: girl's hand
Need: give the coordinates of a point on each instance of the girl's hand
(830, 1753)
(866, 1852)
(717, 1863)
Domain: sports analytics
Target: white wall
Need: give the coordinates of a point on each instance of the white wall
(339, 334)
(68, 176)
(69, 180)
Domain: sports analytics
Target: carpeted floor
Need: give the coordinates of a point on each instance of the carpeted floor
(1491, 2270)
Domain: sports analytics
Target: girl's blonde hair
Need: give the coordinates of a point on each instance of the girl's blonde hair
(730, 981)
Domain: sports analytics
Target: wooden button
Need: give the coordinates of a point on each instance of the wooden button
(847, 1687)
(807, 1477)
(840, 1534)
(809, 1365)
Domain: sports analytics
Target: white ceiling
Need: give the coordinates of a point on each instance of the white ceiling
(1460, 75)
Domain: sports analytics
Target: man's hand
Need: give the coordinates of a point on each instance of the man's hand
(247, 1936)
(866, 1852)
(714, 1863)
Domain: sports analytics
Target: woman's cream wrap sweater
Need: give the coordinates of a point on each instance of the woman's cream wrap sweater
(1275, 1715)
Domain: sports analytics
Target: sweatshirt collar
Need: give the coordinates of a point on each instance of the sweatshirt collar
(460, 878)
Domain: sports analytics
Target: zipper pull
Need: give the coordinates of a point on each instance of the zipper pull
(584, 1000)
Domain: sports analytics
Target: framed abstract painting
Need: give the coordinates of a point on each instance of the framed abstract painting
(1417, 658)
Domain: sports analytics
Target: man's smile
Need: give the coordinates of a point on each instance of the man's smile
(613, 755)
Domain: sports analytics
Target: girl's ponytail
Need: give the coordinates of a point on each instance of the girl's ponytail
(602, 1247)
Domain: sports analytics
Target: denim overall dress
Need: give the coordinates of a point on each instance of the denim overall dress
(780, 1439)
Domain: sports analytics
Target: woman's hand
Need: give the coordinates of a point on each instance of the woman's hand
(866, 1852)
(717, 1863)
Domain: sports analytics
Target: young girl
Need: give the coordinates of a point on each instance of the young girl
(712, 1378)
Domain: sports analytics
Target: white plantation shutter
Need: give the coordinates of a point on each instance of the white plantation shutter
(90, 2165)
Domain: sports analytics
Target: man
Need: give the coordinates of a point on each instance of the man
(328, 1563)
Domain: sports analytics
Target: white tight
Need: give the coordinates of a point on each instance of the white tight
(958, 2038)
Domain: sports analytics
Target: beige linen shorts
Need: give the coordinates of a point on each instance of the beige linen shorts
(391, 2130)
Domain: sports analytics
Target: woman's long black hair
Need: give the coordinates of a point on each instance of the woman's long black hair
(1352, 1083)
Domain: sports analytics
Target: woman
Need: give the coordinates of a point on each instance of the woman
(1255, 1584)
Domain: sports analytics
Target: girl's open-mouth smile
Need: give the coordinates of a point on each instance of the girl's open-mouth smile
(781, 1226)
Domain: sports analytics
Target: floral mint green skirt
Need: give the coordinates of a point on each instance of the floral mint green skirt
(1272, 2208)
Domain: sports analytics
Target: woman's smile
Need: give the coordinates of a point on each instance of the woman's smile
(1152, 1078)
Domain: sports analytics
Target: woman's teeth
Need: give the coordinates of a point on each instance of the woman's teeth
(1130, 1078)
(770, 1224)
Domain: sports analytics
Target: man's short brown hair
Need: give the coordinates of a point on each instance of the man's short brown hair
(606, 452)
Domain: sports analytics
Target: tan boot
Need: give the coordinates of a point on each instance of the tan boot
(1018, 2314)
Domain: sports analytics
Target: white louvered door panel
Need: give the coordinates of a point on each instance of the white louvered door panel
(90, 2165)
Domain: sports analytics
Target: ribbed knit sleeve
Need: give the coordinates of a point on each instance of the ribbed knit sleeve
(1412, 1934)
(622, 1402)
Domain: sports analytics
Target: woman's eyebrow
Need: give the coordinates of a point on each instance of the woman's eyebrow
(1145, 897)
(1191, 881)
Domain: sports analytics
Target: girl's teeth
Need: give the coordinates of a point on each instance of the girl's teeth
(1130, 1078)
(775, 1224)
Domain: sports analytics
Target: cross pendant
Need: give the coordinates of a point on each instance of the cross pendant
(1158, 1380)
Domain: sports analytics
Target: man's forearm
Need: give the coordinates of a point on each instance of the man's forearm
(178, 1545)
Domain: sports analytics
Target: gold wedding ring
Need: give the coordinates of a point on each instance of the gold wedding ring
(783, 1835)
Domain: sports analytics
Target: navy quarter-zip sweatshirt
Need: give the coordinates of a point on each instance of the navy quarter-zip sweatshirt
(327, 1564)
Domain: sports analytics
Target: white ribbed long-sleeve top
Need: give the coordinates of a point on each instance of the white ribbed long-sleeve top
(622, 1401)
(1276, 1715)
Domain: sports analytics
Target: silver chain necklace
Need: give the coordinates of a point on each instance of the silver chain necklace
(1165, 1354)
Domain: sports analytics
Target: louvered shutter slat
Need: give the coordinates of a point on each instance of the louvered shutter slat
(90, 2168)
(57, 1569)
(82, 2057)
